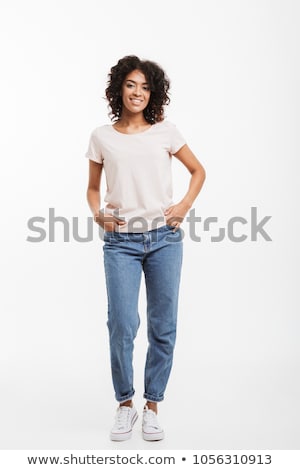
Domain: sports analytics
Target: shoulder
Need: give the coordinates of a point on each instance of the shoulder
(101, 130)
(169, 128)
(165, 127)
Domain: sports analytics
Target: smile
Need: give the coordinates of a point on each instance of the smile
(135, 101)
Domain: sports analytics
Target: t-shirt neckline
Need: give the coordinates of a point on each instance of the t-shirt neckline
(134, 133)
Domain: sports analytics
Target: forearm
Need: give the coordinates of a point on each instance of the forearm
(93, 197)
(195, 185)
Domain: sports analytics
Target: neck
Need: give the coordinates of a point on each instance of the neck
(128, 119)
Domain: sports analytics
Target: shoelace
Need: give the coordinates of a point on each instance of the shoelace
(150, 419)
(122, 417)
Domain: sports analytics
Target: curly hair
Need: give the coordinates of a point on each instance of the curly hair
(159, 85)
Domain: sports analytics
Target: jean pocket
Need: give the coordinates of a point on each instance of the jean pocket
(108, 235)
(174, 234)
(170, 227)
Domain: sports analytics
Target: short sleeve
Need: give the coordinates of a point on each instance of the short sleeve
(94, 148)
(176, 139)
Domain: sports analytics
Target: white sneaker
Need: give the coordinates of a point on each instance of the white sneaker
(151, 429)
(125, 418)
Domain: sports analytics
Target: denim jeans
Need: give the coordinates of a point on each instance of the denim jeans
(158, 253)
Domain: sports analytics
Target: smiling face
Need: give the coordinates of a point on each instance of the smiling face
(135, 92)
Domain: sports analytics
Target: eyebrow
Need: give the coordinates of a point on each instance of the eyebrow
(145, 83)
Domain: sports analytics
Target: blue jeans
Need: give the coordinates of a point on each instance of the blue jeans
(158, 253)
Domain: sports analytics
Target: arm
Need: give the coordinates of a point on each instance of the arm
(178, 211)
(107, 221)
(93, 191)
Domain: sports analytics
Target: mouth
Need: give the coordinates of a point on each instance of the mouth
(136, 101)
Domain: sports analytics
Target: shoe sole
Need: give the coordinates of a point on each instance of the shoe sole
(126, 435)
(153, 436)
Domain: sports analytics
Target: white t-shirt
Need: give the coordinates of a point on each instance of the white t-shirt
(138, 173)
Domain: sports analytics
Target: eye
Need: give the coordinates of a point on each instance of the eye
(129, 85)
(146, 88)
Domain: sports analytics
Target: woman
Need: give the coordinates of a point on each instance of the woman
(141, 230)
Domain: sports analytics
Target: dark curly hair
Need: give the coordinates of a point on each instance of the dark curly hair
(158, 82)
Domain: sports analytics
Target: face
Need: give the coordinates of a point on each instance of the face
(135, 92)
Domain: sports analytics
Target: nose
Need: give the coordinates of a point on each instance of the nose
(137, 91)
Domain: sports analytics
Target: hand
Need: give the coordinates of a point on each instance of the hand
(176, 214)
(107, 221)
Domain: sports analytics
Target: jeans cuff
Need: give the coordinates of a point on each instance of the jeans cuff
(153, 398)
(125, 397)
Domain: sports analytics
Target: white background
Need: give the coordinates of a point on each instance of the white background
(234, 70)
